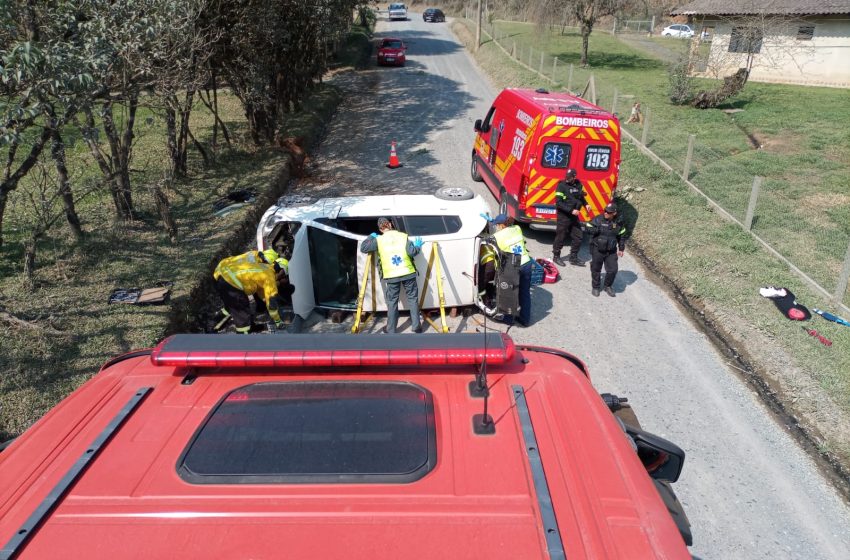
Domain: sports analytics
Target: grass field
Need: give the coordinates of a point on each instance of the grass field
(716, 264)
(73, 280)
(791, 135)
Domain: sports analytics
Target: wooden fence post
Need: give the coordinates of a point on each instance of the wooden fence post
(530, 55)
(614, 102)
(686, 173)
(541, 64)
(645, 133)
(841, 287)
(570, 78)
(751, 207)
(554, 65)
(592, 89)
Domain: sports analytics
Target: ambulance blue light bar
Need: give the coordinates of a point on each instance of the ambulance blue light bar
(331, 350)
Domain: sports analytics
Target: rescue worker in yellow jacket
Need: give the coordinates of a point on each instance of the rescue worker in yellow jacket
(509, 238)
(395, 255)
(250, 274)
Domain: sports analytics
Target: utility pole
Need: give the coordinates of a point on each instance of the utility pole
(478, 28)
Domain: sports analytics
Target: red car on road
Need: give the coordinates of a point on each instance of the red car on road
(391, 52)
(423, 447)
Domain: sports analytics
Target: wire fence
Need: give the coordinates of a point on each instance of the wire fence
(816, 250)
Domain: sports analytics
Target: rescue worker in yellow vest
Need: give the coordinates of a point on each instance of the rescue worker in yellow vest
(250, 274)
(509, 238)
(395, 255)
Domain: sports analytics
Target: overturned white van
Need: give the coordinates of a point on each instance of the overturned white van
(322, 239)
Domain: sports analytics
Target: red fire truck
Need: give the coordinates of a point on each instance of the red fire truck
(528, 140)
(423, 447)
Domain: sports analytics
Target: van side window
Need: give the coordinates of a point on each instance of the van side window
(597, 158)
(429, 225)
(556, 155)
(485, 126)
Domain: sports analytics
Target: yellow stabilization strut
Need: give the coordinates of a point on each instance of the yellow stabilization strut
(370, 272)
(434, 263)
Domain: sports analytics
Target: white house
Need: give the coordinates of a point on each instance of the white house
(790, 41)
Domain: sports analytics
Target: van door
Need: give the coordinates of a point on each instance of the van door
(333, 260)
(300, 275)
(553, 159)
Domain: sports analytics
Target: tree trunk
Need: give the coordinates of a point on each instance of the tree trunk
(585, 42)
(171, 131)
(164, 209)
(199, 147)
(29, 261)
(10, 180)
(120, 148)
(183, 136)
(4, 196)
(57, 151)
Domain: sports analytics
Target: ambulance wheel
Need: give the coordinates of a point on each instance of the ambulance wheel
(476, 174)
(503, 202)
(454, 193)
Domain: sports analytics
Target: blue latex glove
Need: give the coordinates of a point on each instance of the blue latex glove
(486, 216)
(373, 234)
(417, 242)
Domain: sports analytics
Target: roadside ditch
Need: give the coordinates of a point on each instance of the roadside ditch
(748, 369)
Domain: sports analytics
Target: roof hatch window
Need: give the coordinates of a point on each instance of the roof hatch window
(315, 432)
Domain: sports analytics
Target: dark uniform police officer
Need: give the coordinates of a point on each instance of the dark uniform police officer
(395, 254)
(570, 198)
(607, 243)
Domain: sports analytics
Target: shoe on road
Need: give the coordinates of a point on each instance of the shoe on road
(559, 261)
(610, 291)
(595, 292)
(576, 262)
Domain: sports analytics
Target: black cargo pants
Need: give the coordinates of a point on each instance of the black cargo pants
(598, 258)
(567, 224)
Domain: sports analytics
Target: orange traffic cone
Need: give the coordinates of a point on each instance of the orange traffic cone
(394, 163)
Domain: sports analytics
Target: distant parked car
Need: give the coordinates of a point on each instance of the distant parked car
(397, 11)
(433, 15)
(391, 52)
(679, 30)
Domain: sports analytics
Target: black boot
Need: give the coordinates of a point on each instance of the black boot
(558, 260)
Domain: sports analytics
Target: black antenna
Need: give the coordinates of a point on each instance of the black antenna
(482, 424)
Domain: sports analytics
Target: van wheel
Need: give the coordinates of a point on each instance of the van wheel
(454, 193)
(503, 202)
(476, 174)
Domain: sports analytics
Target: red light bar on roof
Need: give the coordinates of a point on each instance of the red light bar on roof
(330, 350)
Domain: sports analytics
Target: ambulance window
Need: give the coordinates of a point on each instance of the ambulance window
(485, 126)
(556, 155)
(597, 158)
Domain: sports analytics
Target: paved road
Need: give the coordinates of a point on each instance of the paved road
(749, 491)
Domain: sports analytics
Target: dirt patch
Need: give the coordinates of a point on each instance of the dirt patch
(794, 398)
(816, 202)
(785, 144)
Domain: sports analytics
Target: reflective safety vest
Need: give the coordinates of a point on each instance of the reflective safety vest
(252, 257)
(510, 240)
(285, 265)
(256, 279)
(488, 254)
(392, 250)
